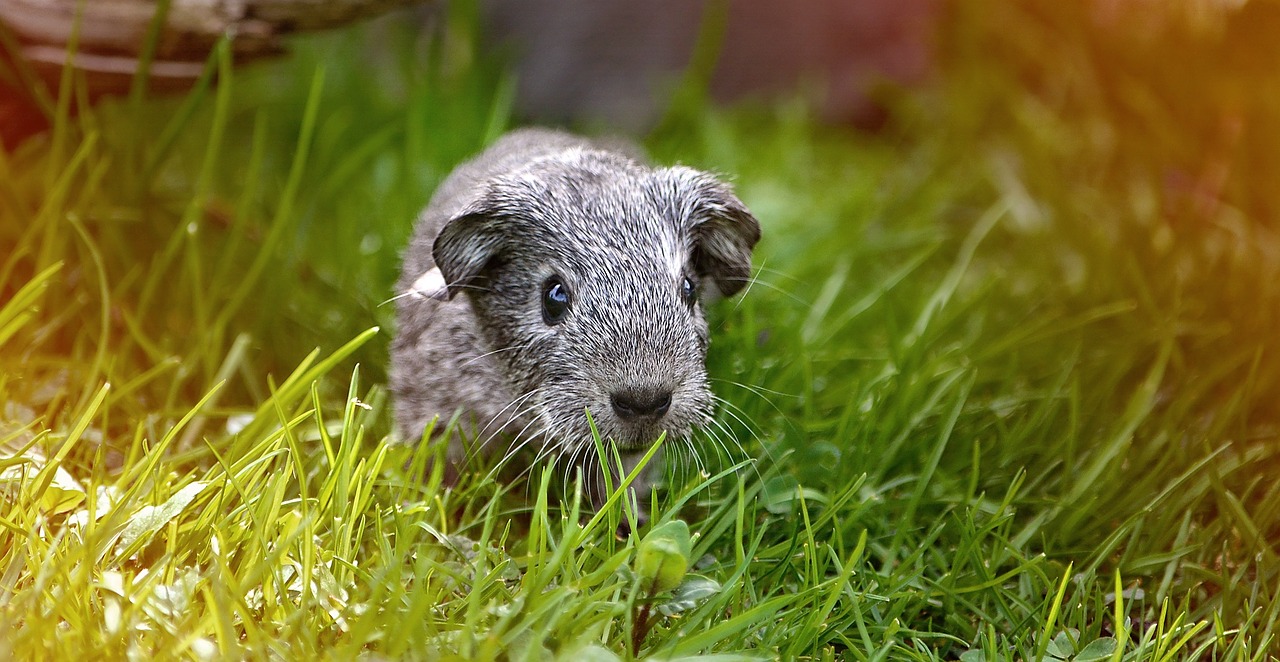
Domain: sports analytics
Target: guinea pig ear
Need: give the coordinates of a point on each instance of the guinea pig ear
(723, 232)
(465, 245)
(430, 285)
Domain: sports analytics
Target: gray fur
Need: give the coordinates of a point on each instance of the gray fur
(622, 236)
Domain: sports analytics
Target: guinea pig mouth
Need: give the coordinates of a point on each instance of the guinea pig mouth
(626, 433)
(635, 443)
(639, 438)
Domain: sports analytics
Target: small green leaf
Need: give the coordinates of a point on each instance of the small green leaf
(1098, 649)
(662, 558)
(689, 593)
(150, 519)
(63, 493)
(1063, 646)
(782, 492)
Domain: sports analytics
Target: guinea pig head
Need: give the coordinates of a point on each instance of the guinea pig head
(587, 279)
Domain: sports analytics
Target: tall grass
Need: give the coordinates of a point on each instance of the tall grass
(976, 421)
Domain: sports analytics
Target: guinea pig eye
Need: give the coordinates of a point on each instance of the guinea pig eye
(687, 291)
(555, 301)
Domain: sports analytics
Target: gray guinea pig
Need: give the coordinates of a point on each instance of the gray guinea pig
(552, 276)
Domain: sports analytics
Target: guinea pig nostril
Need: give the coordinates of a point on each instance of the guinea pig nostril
(637, 403)
(662, 404)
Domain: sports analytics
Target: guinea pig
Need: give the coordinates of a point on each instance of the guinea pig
(552, 276)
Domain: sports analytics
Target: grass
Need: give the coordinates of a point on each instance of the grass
(992, 402)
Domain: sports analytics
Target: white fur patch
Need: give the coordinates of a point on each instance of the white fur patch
(674, 255)
(430, 285)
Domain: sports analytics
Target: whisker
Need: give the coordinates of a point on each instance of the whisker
(695, 458)
(397, 297)
(517, 401)
(749, 424)
(677, 462)
(728, 408)
(756, 279)
(496, 351)
(758, 390)
(413, 292)
(728, 455)
(579, 459)
(548, 450)
(743, 453)
(517, 445)
(477, 448)
(469, 287)
(519, 440)
(783, 274)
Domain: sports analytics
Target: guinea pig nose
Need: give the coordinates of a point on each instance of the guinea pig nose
(640, 402)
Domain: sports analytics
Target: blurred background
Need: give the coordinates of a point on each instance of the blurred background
(617, 64)
(609, 64)
(1185, 88)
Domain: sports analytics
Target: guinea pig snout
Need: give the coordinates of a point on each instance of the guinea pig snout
(635, 403)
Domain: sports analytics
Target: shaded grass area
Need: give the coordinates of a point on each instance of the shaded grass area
(993, 409)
